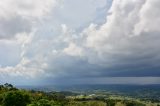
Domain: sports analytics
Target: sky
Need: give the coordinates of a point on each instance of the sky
(46, 42)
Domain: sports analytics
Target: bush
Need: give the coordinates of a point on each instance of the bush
(16, 98)
(110, 102)
(133, 103)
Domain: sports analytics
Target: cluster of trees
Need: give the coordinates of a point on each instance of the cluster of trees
(11, 96)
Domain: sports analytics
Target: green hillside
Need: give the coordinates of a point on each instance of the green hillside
(11, 96)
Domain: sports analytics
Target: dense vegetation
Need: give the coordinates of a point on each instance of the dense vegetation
(11, 96)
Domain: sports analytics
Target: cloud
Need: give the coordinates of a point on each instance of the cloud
(26, 9)
(9, 53)
(18, 22)
(72, 47)
(59, 40)
(148, 17)
(78, 14)
(17, 16)
(117, 43)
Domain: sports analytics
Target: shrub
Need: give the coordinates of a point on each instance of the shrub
(16, 98)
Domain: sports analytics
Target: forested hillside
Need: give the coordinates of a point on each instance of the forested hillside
(11, 96)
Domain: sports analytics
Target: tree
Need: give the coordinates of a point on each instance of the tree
(43, 102)
(16, 98)
(8, 86)
(1, 87)
(110, 102)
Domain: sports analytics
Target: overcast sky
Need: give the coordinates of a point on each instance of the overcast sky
(79, 41)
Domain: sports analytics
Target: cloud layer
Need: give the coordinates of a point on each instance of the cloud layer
(53, 40)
